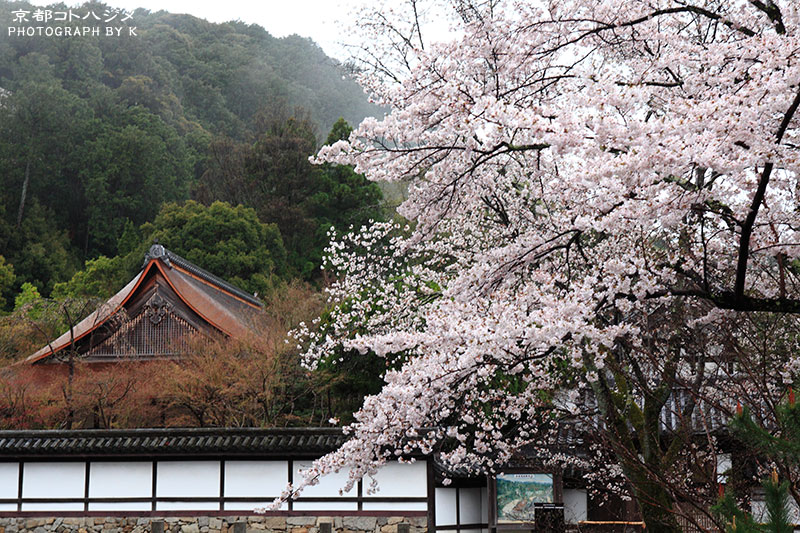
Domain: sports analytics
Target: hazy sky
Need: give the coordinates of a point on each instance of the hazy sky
(319, 19)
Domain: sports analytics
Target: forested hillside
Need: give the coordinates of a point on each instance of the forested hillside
(98, 133)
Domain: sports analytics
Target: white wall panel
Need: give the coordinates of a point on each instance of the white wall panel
(53, 480)
(183, 479)
(9, 480)
(8, 507)
(724, 465)
(325, 506)
(187, 506)
(328, 486)
(121, 480)
(445, 507)
(255, 479)
(401, 480)
(395, 506)
(249, 506)
(52, 506)
(470, 505)
(758, 508)
(575, 502)
(119, 506)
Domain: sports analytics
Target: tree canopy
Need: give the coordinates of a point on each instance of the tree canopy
(97, 133)
(596, 189)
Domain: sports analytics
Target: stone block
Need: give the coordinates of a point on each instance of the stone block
(362, 523)
(301, 521)
(300, 530)
(190, 528)
(203, 521)
(214, 523)
(274, 522)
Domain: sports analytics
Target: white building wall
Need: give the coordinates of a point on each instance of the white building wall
(401, 480)
(446, 506)
(120, 480)
(182, 481)
(38, 480)
(249, 479)
(575, 505)
(187, 479)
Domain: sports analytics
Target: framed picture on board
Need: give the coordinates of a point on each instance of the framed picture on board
(515, 494)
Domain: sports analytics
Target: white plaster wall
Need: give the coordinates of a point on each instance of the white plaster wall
(575, 505)
(9, 480)
(445, 507)
(187, 479)
(724, 464)
(470, 505)
(111, 506)
(325, 506)
(758, 508)
(39, 481)
(328, 486)
(401, 480)
(249, 506)
(255, 479)
(395, 506)
(52, 506)
(187, 506)
(8, 507)
(120, 480)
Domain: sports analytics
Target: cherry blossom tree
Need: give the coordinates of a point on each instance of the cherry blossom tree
(596, 187)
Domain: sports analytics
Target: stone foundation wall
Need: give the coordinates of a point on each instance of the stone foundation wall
(213, 524)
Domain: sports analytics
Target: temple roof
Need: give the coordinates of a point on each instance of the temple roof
(152, 315)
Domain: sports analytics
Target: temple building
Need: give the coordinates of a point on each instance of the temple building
(156, 315)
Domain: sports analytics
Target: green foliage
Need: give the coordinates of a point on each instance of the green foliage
(100, 278)
(27, 298)
(784, 448)
(230, 242)
(6, 280)
(735, 519)
(345, 199)
(133, 166)
(776, 496)
(95, 134)
(38, 249)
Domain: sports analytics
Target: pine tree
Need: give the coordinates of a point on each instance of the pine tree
(782, 448)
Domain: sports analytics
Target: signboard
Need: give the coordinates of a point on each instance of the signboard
(516, 495)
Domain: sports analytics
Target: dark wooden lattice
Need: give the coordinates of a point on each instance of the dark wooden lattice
(155, 332)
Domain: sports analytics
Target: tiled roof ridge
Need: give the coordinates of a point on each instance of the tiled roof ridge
(170, 442)
(176, 431)
(158, 251)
